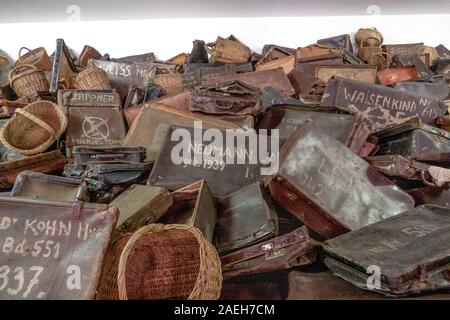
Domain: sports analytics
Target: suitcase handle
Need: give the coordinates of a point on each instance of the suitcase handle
(108, 155)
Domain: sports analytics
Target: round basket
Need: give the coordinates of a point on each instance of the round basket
(93, 79)
(37, 57)
(33, 129)
(27, 80)
(421, 49)
(170, 83)
(169, 262)
(370, 37)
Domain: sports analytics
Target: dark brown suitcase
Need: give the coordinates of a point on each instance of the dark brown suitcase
(137, 58)
(245, 217)
(284, 252)
(49, 162)
(380, 106)
(87, 53)
(49, 188)
(341, 41)
(431, 90)
(64, 70)
(52, 250)
(410, 252)
(360, 72)
(329, 188)
(260, 79)
(439, 196)
(83, 155)
(231, 98)
(400, 49)
(194, 206)
(88, 98)
(198, 76)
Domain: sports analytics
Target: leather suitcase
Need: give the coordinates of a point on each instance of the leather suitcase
(198, 76)
(123, 75)
(440, 91)
(194, 206)
(260, 79)
(360, 72)
(238, 67)
(87, 53)
(229, 51)
(393, 75)
(442, 51)
(271, 97)
(410, 251)
(49, 188)
(420, 62)
(341, 41)
(138, 58)
(140, 205)
(443, 122)
(245, 217)
(400, 49)
(53, 250)
(345, 128)
(88, 98)
(287, 64)
(64, 69)
(439, 196)
(329, 188)
(150, 128)
(315, 51)
(232, 98)
(222, 176)
(83, 155)
(49, 162)
(284, 252)
(380, 106)
(411, 138)
(273, 52)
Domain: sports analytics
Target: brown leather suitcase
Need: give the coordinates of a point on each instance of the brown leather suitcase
(287, 64)
(49, 162)
(329, 188)
(341, 41)
(400, 49)
(150, 128)
(284, 252)
(198, 76)
(49, 188)
(87, 53)
(245, 217)
(360, 72)
(83, 155)
(315, 51)
(390, 76)
(260, 79)
(379, 105)
(194, 206)
(52, 250)
(88, 98)
(439, 196)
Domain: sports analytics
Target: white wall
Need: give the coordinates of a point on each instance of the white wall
(168, 37)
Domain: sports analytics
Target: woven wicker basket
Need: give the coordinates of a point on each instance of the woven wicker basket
(27, 80)
(93, 79)
(170, 83)
(37, 57)
(368, 37)
(169, 262)
(33, 129)
(421, 49)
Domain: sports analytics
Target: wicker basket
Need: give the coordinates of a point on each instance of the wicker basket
(421, 49)
(27, 80)
(368, 37)
(37, 57)
(33, 129)
(170, 83)
(93, 79)
(169, 262)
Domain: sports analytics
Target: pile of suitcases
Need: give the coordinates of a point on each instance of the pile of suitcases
(354, 203)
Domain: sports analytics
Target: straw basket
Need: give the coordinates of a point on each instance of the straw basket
(27, 80)
(169, 262)
(93, 79)
(37, 57)
(369, 37)
(421, 49)
(33, 129)
(170, 83)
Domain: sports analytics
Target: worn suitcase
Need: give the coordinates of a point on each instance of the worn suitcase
(245, 217)
(286, 63)
(416, 141)
(198, 76)
(64, 69)
(231, 98)
(409, 252)
(443, 122)
(273, 52)
(87, 53)
(330, 188)
(379, 105)
(440, 91)
(341, 41)
(194, 206)
(88, 98)
(360, 72)
(228, 50)
(420, 62)
(400, 49)
(260, 79)
(345, 128)
(316, 51)
(390, 76)
(233, 166)
(49, 188)
(137, 58)
(123, 75)
(271, 97)
(439, 196)
(150, 128)
(53, 250)
(284, 252)
(140, 205)
(84, 155)
(49, 162)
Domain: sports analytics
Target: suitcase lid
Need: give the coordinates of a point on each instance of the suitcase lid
(66, 240)
(89, 98)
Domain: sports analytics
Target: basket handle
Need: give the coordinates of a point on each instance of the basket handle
(30, 51)
(11, 78)
(36, 120)
(373, 38)
(387, 58)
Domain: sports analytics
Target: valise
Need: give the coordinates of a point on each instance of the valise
(400, 49)
(431, 90)
(330, 188)
(88, 98)
(360, 72)
(341, 41)
(53, 250)
(84, 154)
(390, 76)
(244, 217)
(49, 162)
(64, 69)
(419, 62)
(194, 206)
(286, 63)
(379, 105)
(409, 252)
(194, 77)
(49, 188)
(137, 58)
(284, 252)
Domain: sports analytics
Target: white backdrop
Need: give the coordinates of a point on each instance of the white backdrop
(168, 37)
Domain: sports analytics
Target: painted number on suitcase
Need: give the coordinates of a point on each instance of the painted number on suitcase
(16, 281)
(419, 231)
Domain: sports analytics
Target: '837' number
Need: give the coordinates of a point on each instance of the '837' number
(13, 280)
